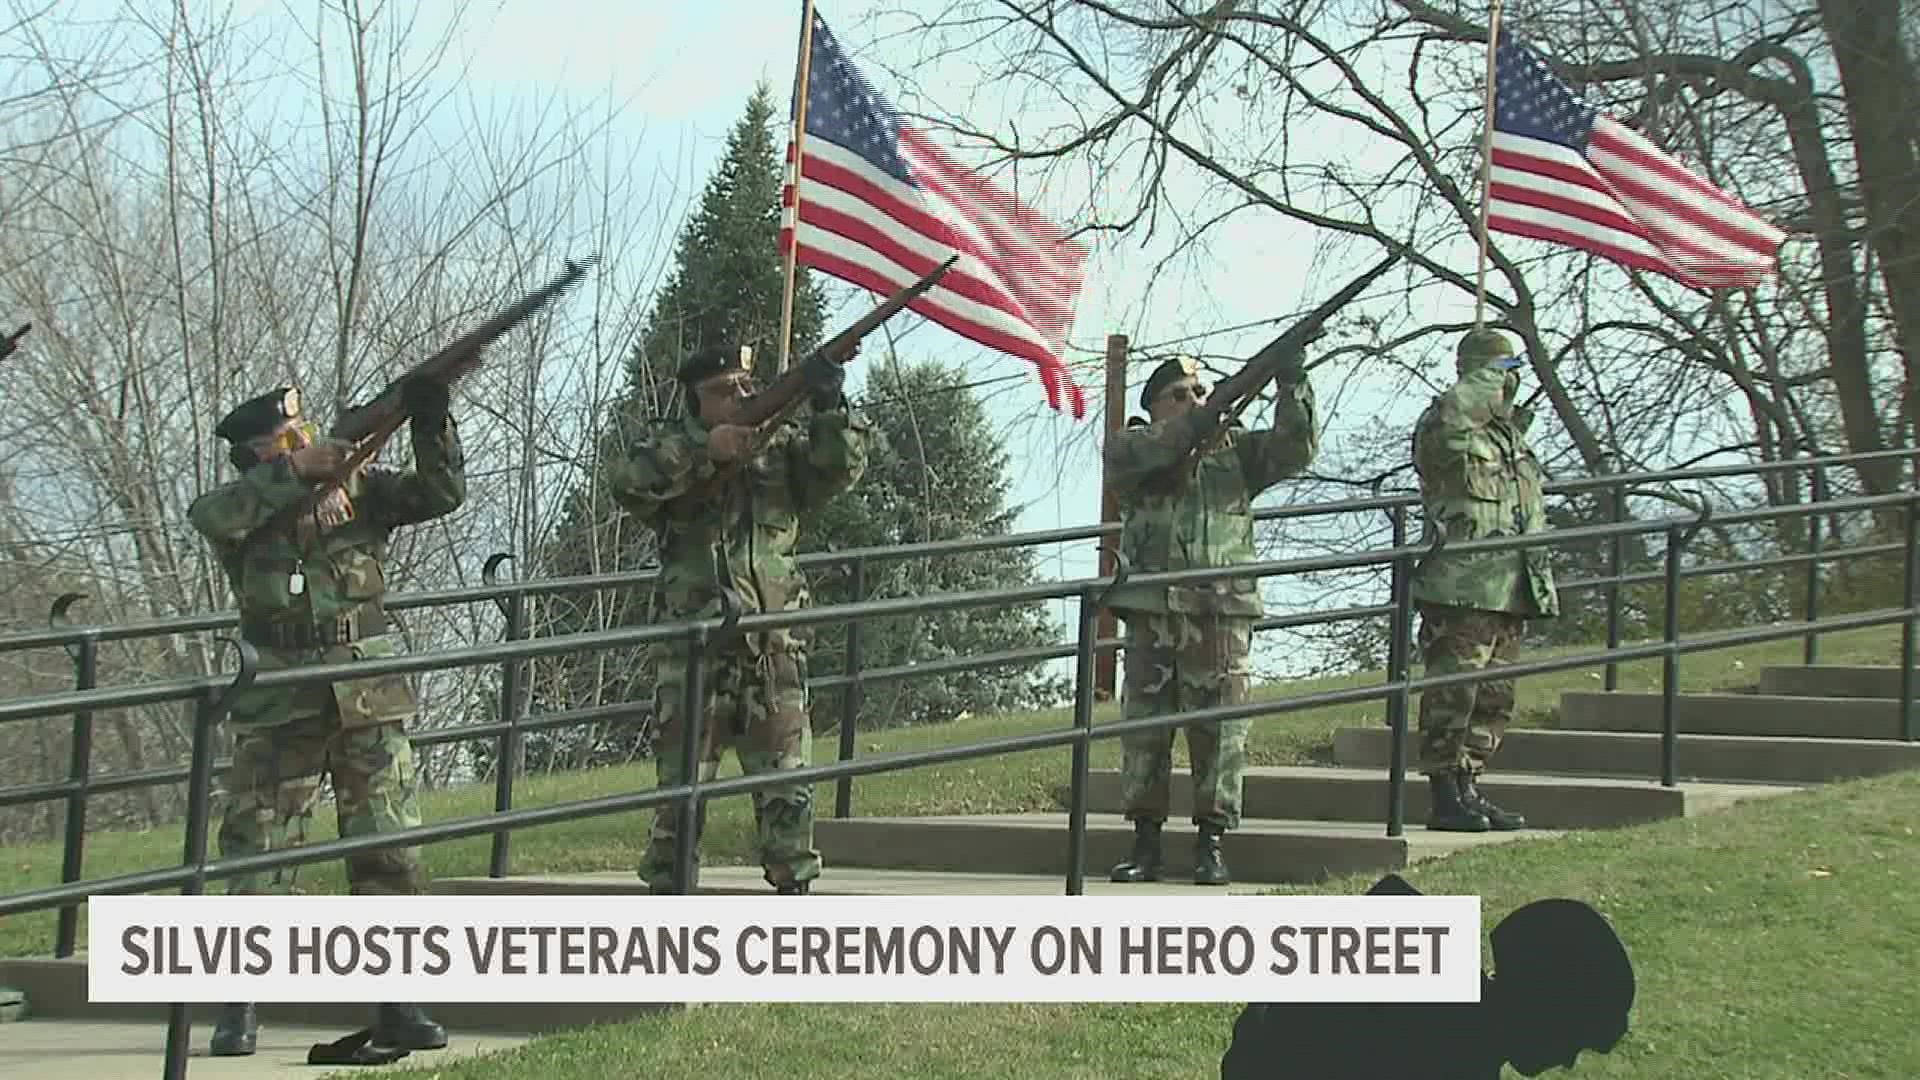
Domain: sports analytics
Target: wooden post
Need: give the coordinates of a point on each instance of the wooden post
(1105, 663)
(799, 146)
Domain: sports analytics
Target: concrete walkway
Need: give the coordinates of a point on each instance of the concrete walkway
(64, 1049)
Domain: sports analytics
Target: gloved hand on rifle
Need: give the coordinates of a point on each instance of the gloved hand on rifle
(320, 461)
(825, 378)
(1292, 371)
(426, 401)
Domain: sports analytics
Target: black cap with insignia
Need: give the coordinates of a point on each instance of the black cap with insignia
(718, 360)
(258, 416)
(1171, 370)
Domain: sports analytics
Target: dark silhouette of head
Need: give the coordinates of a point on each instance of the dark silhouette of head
(1562, 983)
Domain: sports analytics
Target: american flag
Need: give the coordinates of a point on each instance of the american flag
(880, 205)
(1564, 172)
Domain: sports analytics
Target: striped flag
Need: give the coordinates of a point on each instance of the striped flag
(880, 205)
(1563, 172)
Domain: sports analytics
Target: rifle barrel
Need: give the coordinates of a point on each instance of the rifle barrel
(369, 426)
(787, 391)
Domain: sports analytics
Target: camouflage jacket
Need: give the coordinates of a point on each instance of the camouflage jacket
(290, 578)
(739, 531)
(1478, 479)
(1206, 520)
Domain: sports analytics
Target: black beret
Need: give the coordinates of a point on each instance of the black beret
(717, 360)
(257, 416)
(1170, 370)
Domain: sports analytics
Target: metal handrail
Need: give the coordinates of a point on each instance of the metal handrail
(226, 619)
(213, 695)
(186, 688)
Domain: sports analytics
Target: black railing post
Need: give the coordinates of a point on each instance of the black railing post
(693, 725)
(1399, 665)
(86, 668)
(1399, 517)
(1909, 589)
(1616, 565)
(850, 696)
(506, 765)
(1817, 491)
(207, 712)
(1083, 687)
(1670, 663)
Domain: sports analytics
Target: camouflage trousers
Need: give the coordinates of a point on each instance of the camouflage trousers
(1176, 663)
(1461, 726)
(273, 790)
(758, 706)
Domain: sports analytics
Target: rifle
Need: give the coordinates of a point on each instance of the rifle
(764, 411)
(767, 408)
(12, 341)
(1234, 393)
(369, 426)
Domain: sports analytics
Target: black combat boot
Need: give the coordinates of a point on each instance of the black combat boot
(1449, 813)
(235, 1032)
(1144, 863)
(408, 1028)
(1208, 867)
(794, 888)
(1499, 819)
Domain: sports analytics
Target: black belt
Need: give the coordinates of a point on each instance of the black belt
(348, 627)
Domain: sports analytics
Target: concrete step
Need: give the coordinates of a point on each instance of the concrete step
(76, 1049)
(1332, 793)
(1262, 850)
(1741, 758)
(1732, 714)
(837, 880)
(1833, 681)
(57, 989)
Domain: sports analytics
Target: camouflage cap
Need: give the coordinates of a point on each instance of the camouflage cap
(1482, 347)
(1170, 370)
(257, 416)
(717, 360)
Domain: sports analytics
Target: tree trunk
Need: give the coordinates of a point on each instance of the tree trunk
(1882, 91)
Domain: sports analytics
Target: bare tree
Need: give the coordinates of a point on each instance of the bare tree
(314, 198)
(1354, 125)
(1359, 122)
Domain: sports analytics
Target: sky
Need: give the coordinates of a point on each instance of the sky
(687, 70)
(681, 73)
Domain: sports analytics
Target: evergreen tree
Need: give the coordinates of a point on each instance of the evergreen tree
(728, 278)
(934, 473)
(725, 289)
(942, 476)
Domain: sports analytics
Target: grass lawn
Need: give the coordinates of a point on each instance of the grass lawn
(1772, 940)
(1010, 783)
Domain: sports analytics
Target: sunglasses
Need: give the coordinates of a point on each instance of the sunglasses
(1184, 392)
(289, 438)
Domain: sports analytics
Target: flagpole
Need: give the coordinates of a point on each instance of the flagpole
(799, 146)
(1486, 171)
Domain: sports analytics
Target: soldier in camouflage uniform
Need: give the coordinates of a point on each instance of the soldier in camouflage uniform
(1478, 479)
(727, 513)
(1187, 646)
(310, 592)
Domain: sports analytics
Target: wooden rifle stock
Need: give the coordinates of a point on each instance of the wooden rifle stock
(369, 426)
(763, 411)
(768, 407)
(1239, 389)
(1234, 393)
